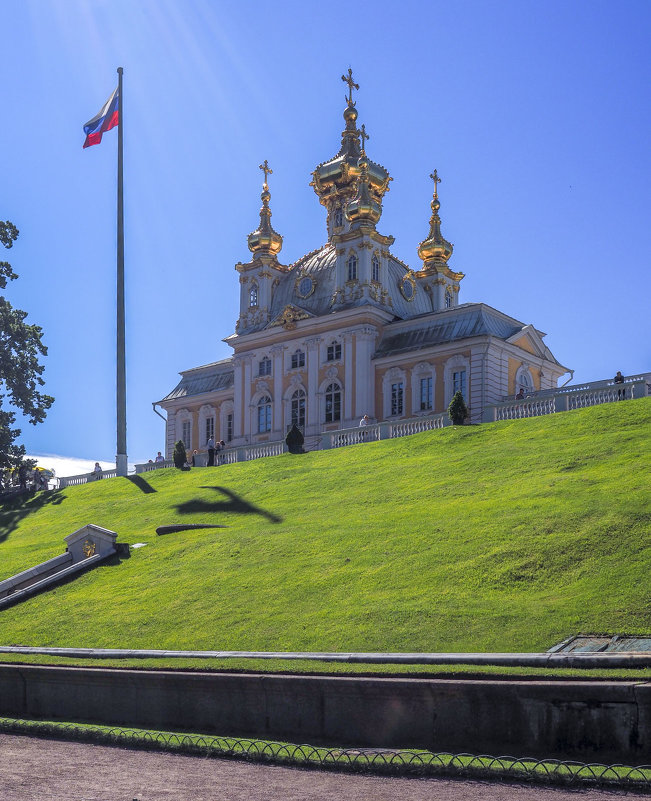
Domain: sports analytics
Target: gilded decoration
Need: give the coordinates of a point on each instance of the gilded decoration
(289, 317)
(407, 286)
(89, 549)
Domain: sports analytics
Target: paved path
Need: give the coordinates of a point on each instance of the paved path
(49, 770)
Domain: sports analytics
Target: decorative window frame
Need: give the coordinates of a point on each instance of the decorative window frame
(332, 378)
(299, 350)
(335, 340)
(448, 298)
(183, 416)
(408, 278)
(528, 385)
(253, 407)
(392, 376)
(299, 279)
(376, 259)
(254, 295)
(338, 217)
(295, 386)
(352, 254)
(420, 371)
(453, 364)
(264, 357)
(205, 412)
(227, 407)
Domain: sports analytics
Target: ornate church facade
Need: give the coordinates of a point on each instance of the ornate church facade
(349, 329)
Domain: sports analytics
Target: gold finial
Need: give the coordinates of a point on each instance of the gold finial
(351, 85)
(364, 136)
(435, 177)
(266, 169)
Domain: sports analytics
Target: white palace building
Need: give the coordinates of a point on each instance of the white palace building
(349, 329)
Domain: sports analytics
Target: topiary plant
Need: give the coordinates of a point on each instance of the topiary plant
(457, 410)
(179, 454)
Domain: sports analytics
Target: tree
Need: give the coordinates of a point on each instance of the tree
(20, 369)
(457, 410)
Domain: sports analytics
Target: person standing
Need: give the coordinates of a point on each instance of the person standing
(97, 471)
(619, 379)
(211, 452)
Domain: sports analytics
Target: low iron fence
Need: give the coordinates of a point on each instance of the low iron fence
(401, 762)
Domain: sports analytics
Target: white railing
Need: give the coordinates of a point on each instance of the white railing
(385, 430)
(563, 399)
(85, 478)
(145, 468)
(262, 450)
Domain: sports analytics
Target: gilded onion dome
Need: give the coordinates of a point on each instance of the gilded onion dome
(363, 208)
(435, 248)
(264, 241)
(341, 173)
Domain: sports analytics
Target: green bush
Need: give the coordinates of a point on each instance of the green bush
(457, 410)
(179, 454)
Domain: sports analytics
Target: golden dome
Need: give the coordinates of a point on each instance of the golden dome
(435, 248)
(264, 241)
(363, 207)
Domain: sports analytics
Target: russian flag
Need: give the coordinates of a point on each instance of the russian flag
(107, 118)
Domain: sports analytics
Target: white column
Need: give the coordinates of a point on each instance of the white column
(312, 424)
(238, 423)
(278, 424)
(348, 378)
(439, 286)
(364, 372)
(247, 396)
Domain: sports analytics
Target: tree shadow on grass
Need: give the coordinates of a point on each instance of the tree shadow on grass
(233, 503)
(18, 507)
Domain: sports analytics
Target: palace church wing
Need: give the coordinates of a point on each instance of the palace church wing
(349, 329)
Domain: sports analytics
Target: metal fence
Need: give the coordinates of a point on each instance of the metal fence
(396, 762)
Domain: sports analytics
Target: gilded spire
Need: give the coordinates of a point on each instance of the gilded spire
(435, 248)
(351, 85)
(265, 241)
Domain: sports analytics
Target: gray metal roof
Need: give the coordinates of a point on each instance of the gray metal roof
(209, 378)
(460, 322)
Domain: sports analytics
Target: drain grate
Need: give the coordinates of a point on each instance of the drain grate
(603, 643)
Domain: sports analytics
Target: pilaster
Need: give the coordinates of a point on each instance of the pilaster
(312, 422)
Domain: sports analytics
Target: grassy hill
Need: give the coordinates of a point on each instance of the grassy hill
(501, 537)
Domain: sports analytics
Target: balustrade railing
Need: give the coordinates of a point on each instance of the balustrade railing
(384, 430)
(85, 478)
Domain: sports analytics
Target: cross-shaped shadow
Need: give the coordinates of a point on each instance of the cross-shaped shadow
(232, 503)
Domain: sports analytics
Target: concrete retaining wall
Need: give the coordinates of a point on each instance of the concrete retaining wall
(581, 720)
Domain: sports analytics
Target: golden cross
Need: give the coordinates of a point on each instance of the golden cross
(351, 85)
(364, 136)
(435, 177)
(266, 169)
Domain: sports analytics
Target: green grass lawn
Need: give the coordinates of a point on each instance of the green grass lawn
(502, 537)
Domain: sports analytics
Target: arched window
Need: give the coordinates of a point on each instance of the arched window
(375, 268)
(298, 408)
(264, 366)
(264, 414)
(523, 381)
(253, 295)
(332, 403)
(448, 299)
(339, 218)
(352, 267)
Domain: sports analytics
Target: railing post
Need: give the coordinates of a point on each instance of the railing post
(240, 455)
(326, 441)
(489, 415)
(561, 403)
(383, 432)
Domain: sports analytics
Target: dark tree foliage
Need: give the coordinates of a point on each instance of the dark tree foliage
(457, 410)
(179, 454)
(20, 370)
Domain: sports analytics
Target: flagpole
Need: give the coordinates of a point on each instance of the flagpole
(121, 383)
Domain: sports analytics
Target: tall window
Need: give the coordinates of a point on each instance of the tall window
(448, 299)
(459, 383)
(352, 267)
(333, 352)
(339, 218)
(523, 381)
(229, 427)
(397, 398)
(264, 414)
(298, 408)
(210, 427)
(253, 295)
(186, 434)
(264, 366)
(375, 268)
(298, 359)
(426, 393)
(332, 403)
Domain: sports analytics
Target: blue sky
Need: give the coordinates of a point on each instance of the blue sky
(536, 116)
